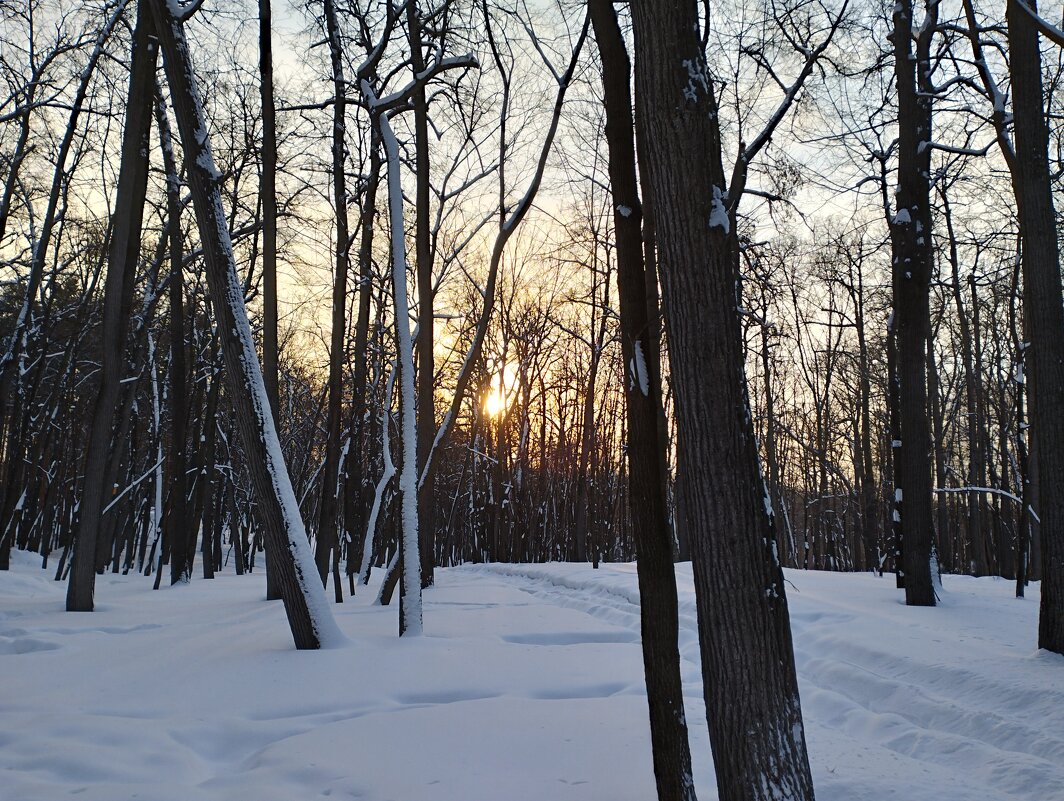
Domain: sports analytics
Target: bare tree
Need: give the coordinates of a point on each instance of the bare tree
(308, 615)
(744, 627)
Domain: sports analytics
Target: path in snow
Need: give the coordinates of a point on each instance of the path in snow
(898, 701)
(527, 687)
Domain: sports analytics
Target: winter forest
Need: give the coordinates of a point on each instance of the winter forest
(619, 400)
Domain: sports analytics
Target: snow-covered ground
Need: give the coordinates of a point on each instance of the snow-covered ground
(526, 687)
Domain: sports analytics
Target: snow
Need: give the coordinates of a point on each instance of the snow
(527, 686)
(408, 476)
(718, 212)
(639, 369)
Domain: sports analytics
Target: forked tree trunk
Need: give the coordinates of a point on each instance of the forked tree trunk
(744, 626)
(308, 613)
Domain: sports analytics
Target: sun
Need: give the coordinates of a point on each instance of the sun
(495, 403)
(503, 391)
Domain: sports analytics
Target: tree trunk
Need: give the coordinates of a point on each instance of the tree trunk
(910, 233)
(328, 539)
(426, 406)
(118, 295)
(179, 529)
(355, 483)
(659, 615)
(744, 627)
(268, 194)
(309, 617)
(1044, 307)
(976, 454)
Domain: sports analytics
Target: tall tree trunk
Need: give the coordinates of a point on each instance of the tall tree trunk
(976, 453)
(910, 233)
(308, 613)
(355, 483)
(180, 531)
(1044, 309)
(268, 195)
(410, 621)
(426, 406)
(328, 539)
(744, 627)
(870, 522)
(659, 615)
(118, 295)
(938, 441)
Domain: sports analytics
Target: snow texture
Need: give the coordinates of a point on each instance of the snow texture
(531, 688)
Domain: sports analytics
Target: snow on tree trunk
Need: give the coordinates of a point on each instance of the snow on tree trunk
(410, 596)
(308, 613)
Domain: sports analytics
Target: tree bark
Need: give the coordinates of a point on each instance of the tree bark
(910, 233)
(659, 614)
(1044, 307)
(744, 627)
(118, 295)
(426, 389)
(180, 531)
(355, 480)
(268, 193)
(328, 538)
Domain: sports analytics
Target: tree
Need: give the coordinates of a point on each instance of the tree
(268, 192)
(308, 615)
(659, 615)
(749, 682)
(328, 545)
(121, 269)
(911, 274)
(1043, 305)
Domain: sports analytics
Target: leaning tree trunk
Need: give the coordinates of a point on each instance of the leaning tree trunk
(118, 295)
(1044, 307)
(744, 626)
(910, 233)
(308, 613)
(659, 614)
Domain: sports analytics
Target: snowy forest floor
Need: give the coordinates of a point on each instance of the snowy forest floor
(528, 686)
